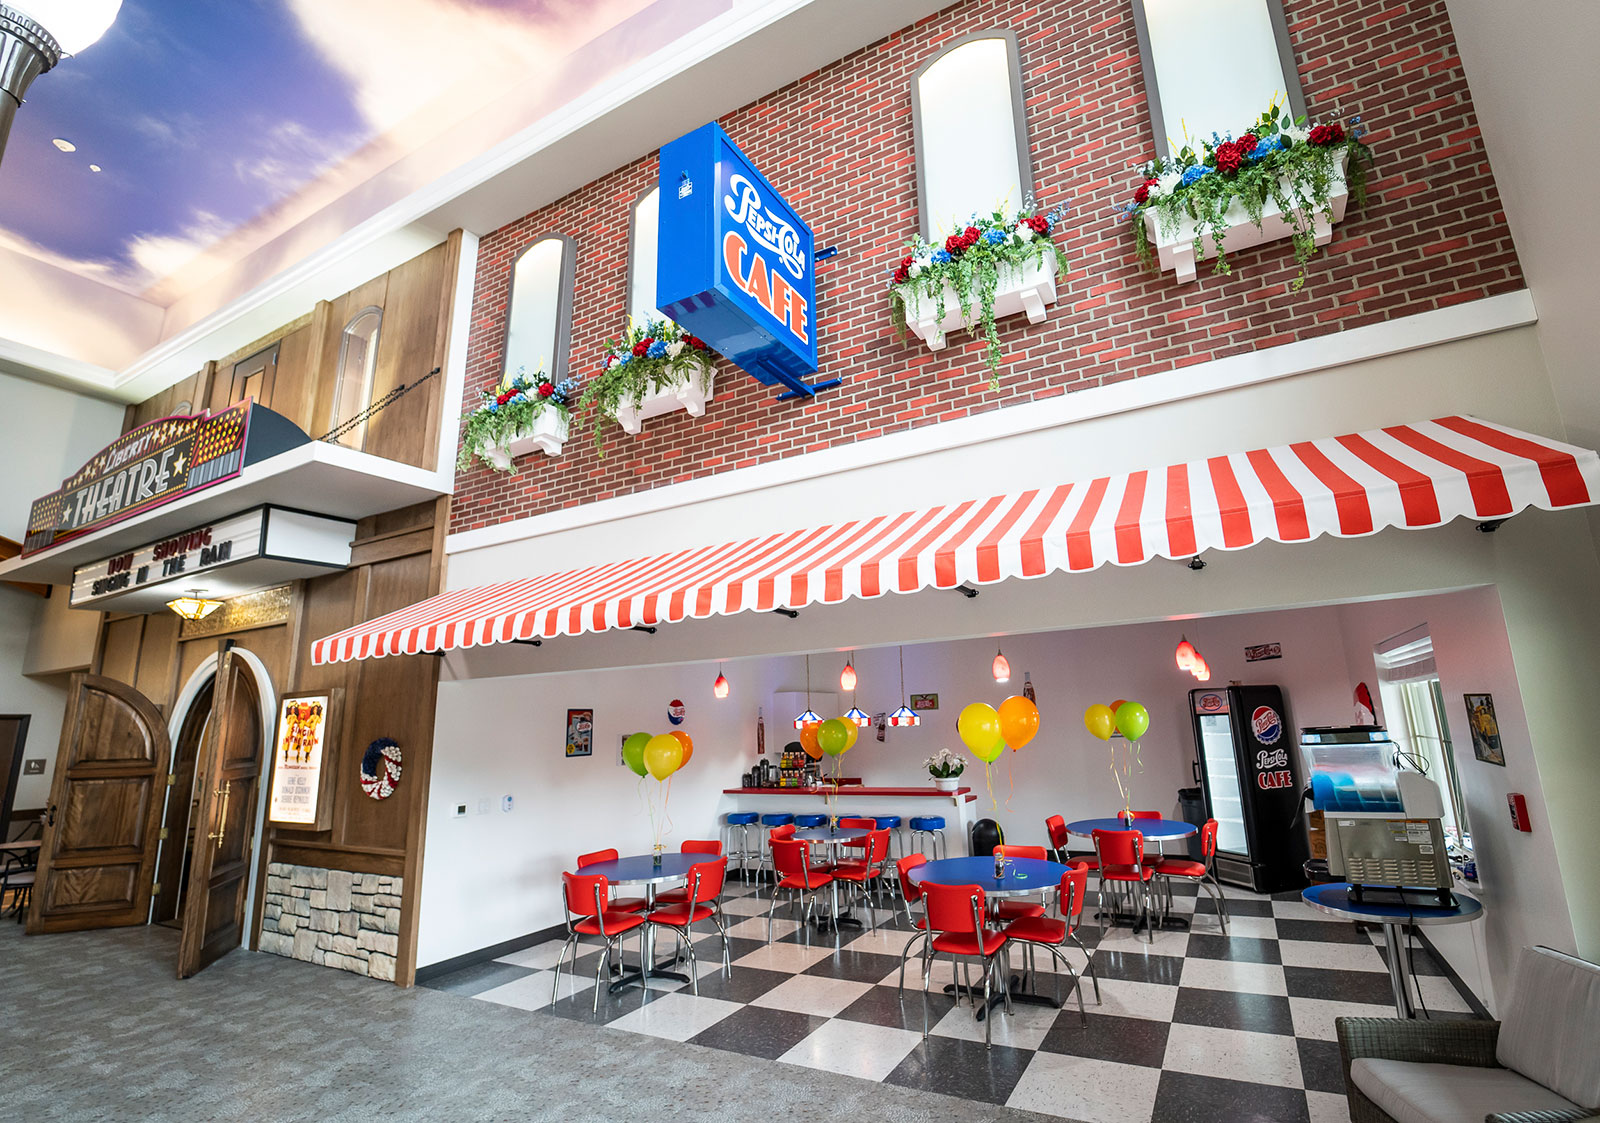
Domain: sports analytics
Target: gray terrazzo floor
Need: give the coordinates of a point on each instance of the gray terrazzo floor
(95, 1027)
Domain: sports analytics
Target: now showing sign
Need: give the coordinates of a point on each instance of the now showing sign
(735, 262)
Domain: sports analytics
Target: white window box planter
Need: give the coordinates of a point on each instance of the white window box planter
(547, 434)
(1029, 288)
(1183, 249)
(690, 395)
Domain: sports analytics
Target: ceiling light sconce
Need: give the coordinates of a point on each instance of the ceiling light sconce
(1002, 669)
(810, 716)
(719, 689)
(194, 606)
(35, 35)
(905, 715)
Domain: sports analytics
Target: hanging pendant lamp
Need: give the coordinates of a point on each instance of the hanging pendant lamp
(847, 677)
(1001, 667)
(905, 715)
(810, 716)
(719, 689)
(1185, 654)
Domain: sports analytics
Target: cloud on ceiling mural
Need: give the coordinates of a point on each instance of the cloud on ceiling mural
(217, 127)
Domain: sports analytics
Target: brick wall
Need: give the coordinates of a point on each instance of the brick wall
(838, 144)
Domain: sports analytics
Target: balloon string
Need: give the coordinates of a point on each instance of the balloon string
(988, 779)
(1011, 785)
(666, 815)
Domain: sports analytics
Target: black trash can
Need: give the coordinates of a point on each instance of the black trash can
(1192, 806)
(986, 835)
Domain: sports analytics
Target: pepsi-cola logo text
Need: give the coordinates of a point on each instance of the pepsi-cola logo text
(1267, 725)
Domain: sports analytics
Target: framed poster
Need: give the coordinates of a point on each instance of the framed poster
(1485, 729)
(307, 724)
(921, 702)
(580, 732)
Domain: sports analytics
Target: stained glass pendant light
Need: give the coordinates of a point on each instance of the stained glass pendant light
(719, 689)
(810, 715)
(905, 715)
(847, 679)
(194, 606)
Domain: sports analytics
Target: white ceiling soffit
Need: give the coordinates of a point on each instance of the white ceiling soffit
(756, 47)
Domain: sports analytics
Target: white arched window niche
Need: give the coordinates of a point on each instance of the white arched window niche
(1190, 96)
(358, 360)
(539, 328)
(644, 227)
(971, 132)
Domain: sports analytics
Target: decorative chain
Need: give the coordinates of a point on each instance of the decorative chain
(332, 435)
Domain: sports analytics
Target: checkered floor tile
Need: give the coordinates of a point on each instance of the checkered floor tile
(1196, 1025)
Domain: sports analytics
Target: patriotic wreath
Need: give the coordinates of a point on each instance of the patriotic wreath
(380, 768)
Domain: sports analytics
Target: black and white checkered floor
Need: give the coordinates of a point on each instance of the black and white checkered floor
(1196, 1026)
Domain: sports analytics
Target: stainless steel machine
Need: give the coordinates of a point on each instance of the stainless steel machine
(1384, 824)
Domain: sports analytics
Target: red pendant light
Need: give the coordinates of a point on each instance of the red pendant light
(1002, 669)
(719, 689)
(1186, 654)
(847, 677)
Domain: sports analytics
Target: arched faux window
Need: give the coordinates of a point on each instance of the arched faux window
(358, 360)
(1189, 94)
(539, 329)
(971, 132)
(644, 227)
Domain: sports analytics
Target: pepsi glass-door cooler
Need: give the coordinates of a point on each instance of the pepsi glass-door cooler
(1250, 770)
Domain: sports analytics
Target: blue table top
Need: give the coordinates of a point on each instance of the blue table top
(1156, 830)
(840, 834)
(640, 869)
(1334, 899)
(1023, 875)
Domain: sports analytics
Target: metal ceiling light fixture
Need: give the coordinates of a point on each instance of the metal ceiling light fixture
(194, 606)
(905, 715)
(37, 34)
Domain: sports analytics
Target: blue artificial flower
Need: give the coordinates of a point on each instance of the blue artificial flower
(624, 360)
(494, 407)
(1193, 174)
(1266, 147)
(994, 237)
(657, 350)
(940, 256)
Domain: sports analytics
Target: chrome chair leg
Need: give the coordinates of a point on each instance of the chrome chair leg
(1088, 959)
(905, 953)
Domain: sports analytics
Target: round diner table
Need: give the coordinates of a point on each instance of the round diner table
(643, 869)
(833, 838)
(1154, 830)
(1023, 877)
(1334, 899)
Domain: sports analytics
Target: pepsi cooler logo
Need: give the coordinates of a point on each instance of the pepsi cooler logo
(1211, 704)
(1266, 725)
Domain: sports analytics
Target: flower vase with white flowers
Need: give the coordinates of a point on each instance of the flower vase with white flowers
(946, 769)
(654, 360)
(995, 265)
(517, 417)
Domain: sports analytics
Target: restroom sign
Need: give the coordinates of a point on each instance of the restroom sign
(735, 261)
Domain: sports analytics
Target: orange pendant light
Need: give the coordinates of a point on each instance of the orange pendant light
(1002, 668)
(1186, 654)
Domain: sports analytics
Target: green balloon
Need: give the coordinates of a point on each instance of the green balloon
(833, 737)
(1132, 720)
(633, 752)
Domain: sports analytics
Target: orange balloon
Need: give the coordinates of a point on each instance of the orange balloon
(808, 739)
(688, 745)
(1117, 705)
(1019, 721)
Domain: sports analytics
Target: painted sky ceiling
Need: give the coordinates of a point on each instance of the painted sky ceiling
(225, 121)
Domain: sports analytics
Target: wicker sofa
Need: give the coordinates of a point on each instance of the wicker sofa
(1541, 1064)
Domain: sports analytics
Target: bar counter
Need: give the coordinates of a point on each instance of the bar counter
(959, 808)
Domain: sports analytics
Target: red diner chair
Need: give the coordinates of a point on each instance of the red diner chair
(910, 894)
(1060, 842)
(1052, 933)
(858, 848)
(701, 893)
(868, 871)
(584, 897)
(1203, 873)
(791, 863)
(780, 833)
(1016, 908)
(957, 920)
(1160, 851)
(1122, 863)
(710, 847)
(626, 904)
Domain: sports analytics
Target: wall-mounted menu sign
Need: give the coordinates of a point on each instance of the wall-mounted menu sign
(156, 464)
(306, 725)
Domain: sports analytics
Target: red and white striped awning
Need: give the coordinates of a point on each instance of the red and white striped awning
(1413, 476)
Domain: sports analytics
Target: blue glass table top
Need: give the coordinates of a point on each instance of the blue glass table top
(1334, 899)
(640, 869)
(1156, 830)
(839, 834)
(1023, 875)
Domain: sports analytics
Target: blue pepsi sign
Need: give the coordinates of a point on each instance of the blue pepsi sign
(734, 263)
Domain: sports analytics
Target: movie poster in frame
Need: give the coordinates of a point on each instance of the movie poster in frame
(302, 742)
(580, 733)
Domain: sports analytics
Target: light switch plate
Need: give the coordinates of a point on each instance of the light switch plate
(483, 807)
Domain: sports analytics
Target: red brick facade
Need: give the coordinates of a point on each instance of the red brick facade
(838, 144)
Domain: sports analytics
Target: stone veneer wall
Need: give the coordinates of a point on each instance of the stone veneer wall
(333, 918)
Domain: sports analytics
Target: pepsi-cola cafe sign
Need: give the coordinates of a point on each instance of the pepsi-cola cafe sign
(735, 262)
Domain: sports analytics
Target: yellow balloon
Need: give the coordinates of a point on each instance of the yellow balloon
(1019, 721)
(1100, 721)
(663, 755)
(979, 729)
(852, 731)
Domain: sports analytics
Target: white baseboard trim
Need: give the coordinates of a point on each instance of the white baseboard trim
(1409, 333)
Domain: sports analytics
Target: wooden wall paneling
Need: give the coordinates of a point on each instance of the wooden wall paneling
(120, 641)
(328, 856)
(316, 361)
(204, 380)
(341, 311)
(406, 348)
(296, 363)
(443, 325)
(158, 652)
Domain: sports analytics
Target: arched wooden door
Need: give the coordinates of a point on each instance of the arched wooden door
(229, 782)
(99, 845)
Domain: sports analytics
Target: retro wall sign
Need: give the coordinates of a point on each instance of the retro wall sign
(155, 464)
(735, 264)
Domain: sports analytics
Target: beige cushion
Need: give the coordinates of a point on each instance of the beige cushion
(1427, 1093)
(1550, 1030)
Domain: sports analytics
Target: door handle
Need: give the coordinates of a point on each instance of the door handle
(222, 819)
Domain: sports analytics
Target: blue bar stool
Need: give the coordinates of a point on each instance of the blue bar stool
(806, 822)
(773, 819)
(741, 821)
(928, 830)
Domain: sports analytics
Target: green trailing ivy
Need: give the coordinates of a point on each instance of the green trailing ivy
(1278, 159)
(651, 356)
(970, 262)
(508, 410)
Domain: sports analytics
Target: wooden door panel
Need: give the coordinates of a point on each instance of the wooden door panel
(99, 845)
